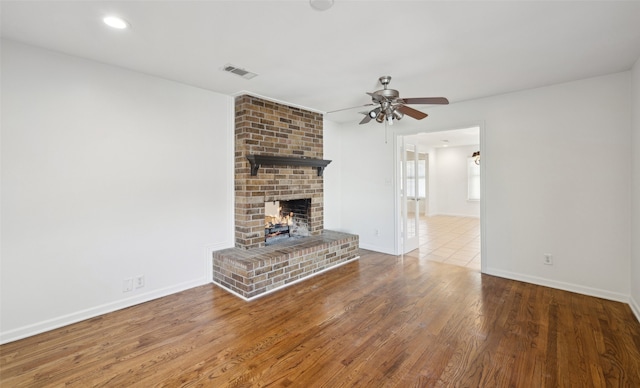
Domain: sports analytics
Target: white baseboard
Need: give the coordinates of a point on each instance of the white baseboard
(375, 248)
(455, 215)
(599, 293)
(55, 323)
(635, 307)
(284, 285)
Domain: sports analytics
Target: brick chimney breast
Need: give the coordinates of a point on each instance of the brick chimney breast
(268, 128)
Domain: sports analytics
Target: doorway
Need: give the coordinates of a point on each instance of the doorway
(440, 193)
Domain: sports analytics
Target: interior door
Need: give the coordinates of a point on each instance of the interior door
(409, 197)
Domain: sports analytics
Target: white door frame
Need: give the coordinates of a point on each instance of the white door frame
(399, 140)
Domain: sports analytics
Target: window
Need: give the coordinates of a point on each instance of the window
(473, 180)
(420, 177)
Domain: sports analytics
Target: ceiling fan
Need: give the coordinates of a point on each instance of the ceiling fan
(391, 107)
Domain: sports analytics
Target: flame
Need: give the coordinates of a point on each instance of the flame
(279, 219)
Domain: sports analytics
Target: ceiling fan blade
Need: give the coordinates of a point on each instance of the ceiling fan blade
(416, 114)
(365, 120)
(353, 107)
(425, 100)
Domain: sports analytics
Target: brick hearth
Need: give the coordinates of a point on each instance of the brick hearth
(255, 272)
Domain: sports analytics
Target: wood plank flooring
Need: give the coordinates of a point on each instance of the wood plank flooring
(382, 321)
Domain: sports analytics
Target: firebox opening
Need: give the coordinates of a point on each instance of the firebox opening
(286, 219)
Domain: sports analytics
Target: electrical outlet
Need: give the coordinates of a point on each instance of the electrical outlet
(127, 285)
(377, 231)
(139, 281)
(548, 259)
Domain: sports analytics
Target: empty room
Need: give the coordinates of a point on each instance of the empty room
(273, 193)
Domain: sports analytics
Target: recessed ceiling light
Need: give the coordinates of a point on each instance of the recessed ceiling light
(321, 5)
(115, 22)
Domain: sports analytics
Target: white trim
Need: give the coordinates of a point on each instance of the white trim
(284, 285)
(231, 291)
(483, 200)
(377, 248)
(599, 293)
(456, 215)
(635, 307)
(398, 240)
(78, 316)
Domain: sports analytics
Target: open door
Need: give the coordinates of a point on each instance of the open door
(447, 153)
(409, 198)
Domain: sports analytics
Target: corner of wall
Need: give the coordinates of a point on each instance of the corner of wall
(635, 194)
(635, 307)
(333, 175)
(560, 285)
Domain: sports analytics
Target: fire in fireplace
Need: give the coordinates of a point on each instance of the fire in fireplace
(286, 219)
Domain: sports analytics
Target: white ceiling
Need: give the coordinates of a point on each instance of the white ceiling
(326, 61)
(452, 138)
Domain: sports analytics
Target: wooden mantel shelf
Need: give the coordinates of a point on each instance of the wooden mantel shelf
(259, 160)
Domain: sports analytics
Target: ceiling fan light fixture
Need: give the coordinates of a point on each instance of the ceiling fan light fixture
(397, 114)
(374, 113)
(380, 117)
(476, 157)
(390, 119)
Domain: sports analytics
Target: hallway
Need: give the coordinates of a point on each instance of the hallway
(450, 240)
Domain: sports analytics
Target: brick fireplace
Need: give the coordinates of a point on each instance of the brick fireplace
(278, 163)
(268, 128)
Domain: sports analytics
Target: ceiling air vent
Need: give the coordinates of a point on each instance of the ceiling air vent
(238, 71)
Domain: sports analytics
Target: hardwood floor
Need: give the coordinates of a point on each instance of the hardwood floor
(382, 321)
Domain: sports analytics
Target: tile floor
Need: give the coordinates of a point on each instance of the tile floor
(450, 240)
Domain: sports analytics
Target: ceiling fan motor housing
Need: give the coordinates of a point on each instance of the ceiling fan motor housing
(386, 94)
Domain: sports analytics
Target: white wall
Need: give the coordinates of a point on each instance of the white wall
(635, 239)
(367, 200)
(451, 180)
(106, 174)
(557, 162)
(332, 176)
